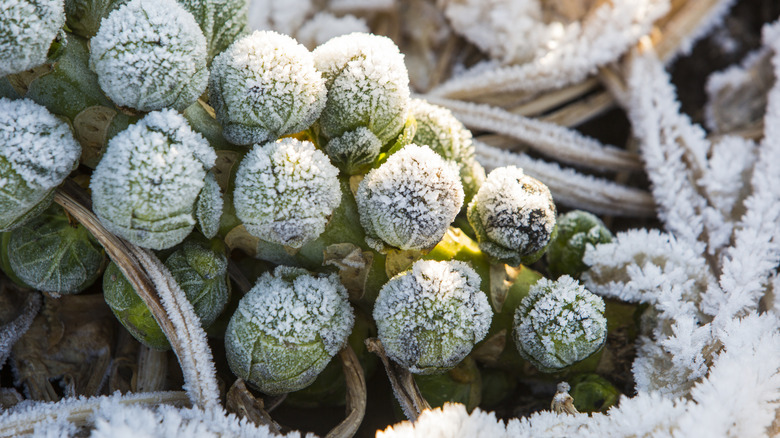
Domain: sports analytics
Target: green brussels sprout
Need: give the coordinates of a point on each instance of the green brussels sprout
(28, 29)
(37, 152)
(199, 268)
(84, 16)
(368, 87)
(429, 317)
(462, 384)
(265, 86)
(222, 21)
(410, 200)
(513, 216)
(286, 191)
(439, 129)
(287, 328)
(51, 254)
(593, 393)
(558, 324)
(149, 55)
(146, 186)
(576, 230)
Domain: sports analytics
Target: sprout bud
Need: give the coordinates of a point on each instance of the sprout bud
(286, 191)
(37, 152)
(287, 328)
(265, 86)
(576, 230)
(410, 200)
(221, 21)
(558, 324)
(27, 31)
(149, 55)
(368, 86)
(513, 216)
(429, 317)
(147, 183)
(84, 16)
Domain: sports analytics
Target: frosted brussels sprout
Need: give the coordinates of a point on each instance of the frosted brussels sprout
(439, 129)
(199, 268)
(558, 324)
(222, 21)
(576, 230)
(286, 191)
(513, 216)
(145, 187)
(37, 152)
(51, 254)
(28, 29)
(149, 55)
(429, 317)
(410, 200)
(265, 86)
(287, 328)
(84, 16)
(368, 87)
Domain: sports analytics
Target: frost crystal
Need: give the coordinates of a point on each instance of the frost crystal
(286, 191)
(37, 152)
(150, 54)
(410, 200)
(429, 317)
(577, 230)
(513, 216)
(146, 185)
(29, 27)
(558, 324)
(287, 328)
(221, 21)
(439, 129)
(265, 86)
(368, 86)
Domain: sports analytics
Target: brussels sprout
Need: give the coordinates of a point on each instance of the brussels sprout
(84, 16)
(265, 86)
(147, 183)
(439, 129)
(558, 324)
(368, 87)
(286, 191)
(37, 152)
(51, 254)
(429, 317)
(198, 267)
(513, 216)
(576, 230)
(593, 393)
(27, 31)
(409, 201)
(149, 55)
(222, 21)
(287, 328)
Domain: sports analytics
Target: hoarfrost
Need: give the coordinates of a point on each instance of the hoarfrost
(208, 209)
(29, 27)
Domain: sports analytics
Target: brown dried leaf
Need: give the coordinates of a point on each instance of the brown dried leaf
(244, 404)
(404, 387)
(354, 265)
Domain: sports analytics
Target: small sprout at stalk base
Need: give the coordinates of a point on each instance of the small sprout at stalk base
(576, 230)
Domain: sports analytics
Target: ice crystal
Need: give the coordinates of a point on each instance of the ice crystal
(410, 200)
(150, 55)
(287, 328)
(265, 86)
(513, 216)
(146, 185)
(430, 317)
(29, 27)
(286, 191)
(559, 323)
(37, 152)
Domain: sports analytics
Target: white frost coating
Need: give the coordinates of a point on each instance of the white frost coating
(368, 85)
(450, 421)
(145, 187)
(208, 209)
(441, 131)
(324, 26)
(37, 152)
(287, 328)
(150, 54)
(429, 318)
(29, 27)
(286, 191)
(512, 214)
(410, 200)
(559, 323)
(265, 86)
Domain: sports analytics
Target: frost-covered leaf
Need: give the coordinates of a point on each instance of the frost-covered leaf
(208, 207)
(29, 27)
